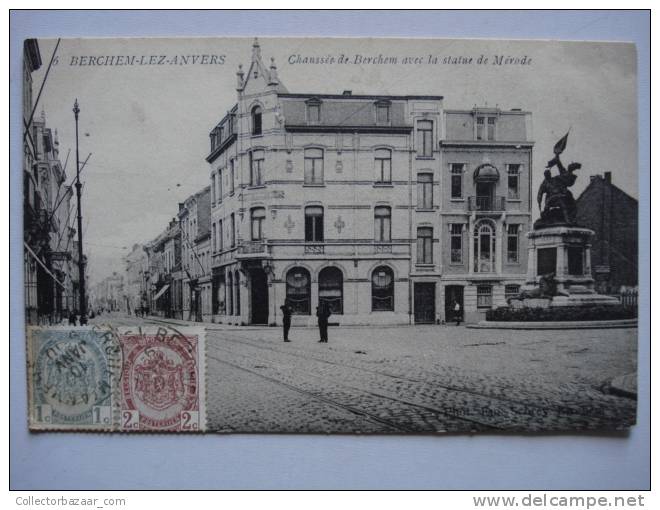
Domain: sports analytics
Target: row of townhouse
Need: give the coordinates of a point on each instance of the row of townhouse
(171, 275)
(136, 289)
(386, 209)
(50, 264)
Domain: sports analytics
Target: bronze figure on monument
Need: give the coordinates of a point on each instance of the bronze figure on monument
(559, 208)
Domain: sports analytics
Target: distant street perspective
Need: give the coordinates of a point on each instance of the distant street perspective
(412, 379)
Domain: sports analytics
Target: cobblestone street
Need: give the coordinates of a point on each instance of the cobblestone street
(416, 379)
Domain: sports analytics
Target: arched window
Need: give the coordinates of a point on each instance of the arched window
(230, 294)
(382, 289)
(237, 291)
(258, 218)
(382, 224)
(484, 248)
(331, 289)
(298, 290)
(256, 120)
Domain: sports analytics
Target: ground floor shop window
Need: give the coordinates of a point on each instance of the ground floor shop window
(382, 289)
(298, 290)
(331, 289)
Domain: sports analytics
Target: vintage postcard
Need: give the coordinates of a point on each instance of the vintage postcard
(300, 235)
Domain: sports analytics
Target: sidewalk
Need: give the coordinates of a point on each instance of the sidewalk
(214, 326)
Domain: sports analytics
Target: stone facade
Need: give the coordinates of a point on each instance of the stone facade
(486, 202)
(135, 287)
(164, 261)
(346, 200)
(195, 225)
(51, 272)
(49, 266)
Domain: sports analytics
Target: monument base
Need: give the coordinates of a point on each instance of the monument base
(564, 252)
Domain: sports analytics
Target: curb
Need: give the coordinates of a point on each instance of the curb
(624, 323)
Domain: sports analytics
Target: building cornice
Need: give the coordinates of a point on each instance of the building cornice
(221, 148)
(305, 128)
(486, 144)
(373, 97)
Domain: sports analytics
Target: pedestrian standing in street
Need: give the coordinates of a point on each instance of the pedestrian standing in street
(287, 311)
(323, 312)
(457, 313)
(72, 318)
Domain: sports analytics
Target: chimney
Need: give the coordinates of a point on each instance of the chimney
(347, 93)
(608, 177)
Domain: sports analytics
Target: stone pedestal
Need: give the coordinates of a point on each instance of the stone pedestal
(566, 252)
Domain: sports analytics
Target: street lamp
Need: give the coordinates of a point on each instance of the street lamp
(81, 261)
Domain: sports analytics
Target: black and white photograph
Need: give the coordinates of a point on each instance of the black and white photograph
(368, 235)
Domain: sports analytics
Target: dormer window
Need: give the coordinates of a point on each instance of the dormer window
(314, 111)
(256, 120)
(485, 127)
(383, 113)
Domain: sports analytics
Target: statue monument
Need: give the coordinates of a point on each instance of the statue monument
(559, 250)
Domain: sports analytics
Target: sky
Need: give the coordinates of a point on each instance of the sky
(147, 126)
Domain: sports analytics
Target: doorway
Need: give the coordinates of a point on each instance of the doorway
(424, 303)
(258, 296)
(453, 295)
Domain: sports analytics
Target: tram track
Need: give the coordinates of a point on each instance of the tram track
(505, 400)
(433, 405)
(325, 382)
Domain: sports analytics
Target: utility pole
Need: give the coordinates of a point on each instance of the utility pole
(81, 262)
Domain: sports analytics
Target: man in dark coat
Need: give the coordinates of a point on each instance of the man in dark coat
(323, 312)
(287, 311)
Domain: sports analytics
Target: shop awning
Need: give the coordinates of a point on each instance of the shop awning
(162, 291)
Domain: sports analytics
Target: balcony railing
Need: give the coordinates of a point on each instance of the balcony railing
(486, 204)
(382, 248)
(314, 248)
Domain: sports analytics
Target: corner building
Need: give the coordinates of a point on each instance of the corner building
(334, 199)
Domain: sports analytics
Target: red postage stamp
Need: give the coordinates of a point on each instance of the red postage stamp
(162, 383)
